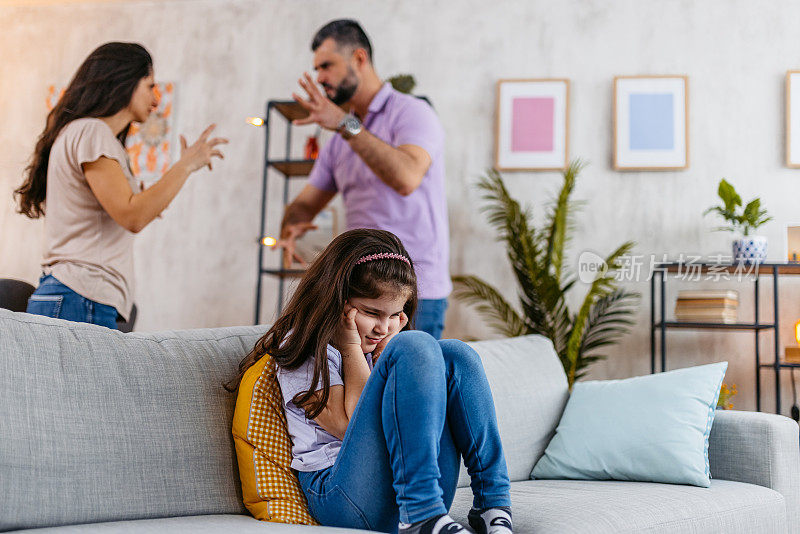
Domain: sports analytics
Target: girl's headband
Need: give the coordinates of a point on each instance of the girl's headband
(381, 256)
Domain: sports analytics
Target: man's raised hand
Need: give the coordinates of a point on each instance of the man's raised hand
(321, 110)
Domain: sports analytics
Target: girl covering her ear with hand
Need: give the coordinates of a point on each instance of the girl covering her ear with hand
(380, 415)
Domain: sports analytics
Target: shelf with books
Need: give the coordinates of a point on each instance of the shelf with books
(718, 310)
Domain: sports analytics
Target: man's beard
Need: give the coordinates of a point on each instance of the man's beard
(346, 89)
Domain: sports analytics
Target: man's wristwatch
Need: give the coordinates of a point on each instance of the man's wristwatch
(349, 126)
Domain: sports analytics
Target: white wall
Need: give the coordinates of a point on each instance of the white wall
(196, 267)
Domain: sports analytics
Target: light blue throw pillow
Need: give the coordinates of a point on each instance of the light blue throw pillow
(650, 428)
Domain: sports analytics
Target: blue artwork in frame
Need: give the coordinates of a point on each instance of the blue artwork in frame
(651, 123)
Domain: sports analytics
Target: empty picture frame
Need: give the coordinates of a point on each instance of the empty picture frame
(793, 119)
(532, 125)
(651, 122)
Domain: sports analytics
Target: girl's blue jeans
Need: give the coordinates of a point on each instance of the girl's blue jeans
(425, 404)
(54, 299)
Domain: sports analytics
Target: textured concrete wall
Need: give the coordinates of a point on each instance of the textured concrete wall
(196, 266)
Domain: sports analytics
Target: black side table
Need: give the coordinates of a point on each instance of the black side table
(735, 272)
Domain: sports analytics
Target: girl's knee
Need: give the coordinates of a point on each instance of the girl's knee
(415, 345)
(458, 354)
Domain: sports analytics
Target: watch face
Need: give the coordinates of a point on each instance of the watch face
(352, 124)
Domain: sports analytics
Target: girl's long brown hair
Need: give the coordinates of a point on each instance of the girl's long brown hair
(103, 85)
(310, 320)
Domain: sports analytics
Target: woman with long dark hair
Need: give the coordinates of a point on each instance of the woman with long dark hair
(80, 174)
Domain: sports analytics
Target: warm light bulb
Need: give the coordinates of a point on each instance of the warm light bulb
(797, 332)
(255, 121)
(269, 241)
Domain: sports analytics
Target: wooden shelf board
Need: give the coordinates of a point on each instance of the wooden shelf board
(291, 110)
(292, 168)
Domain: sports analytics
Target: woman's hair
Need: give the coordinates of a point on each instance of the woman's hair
(310, 320)
(103, 85)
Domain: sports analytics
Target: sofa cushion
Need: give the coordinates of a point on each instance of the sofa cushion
(270, 488)
(529, 389)
(198, 524)
(599, 507)
(98, 425)
(651, 428)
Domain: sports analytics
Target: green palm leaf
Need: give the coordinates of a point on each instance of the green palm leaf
(489, 302)
(537, 258)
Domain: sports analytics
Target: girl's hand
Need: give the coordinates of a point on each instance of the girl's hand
(199, 154)
(392, 332)
(347, 336)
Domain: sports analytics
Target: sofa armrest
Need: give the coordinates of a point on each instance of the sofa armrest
(758, 448)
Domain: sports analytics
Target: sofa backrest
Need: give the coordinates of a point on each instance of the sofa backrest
(529, 388)
(96, 425)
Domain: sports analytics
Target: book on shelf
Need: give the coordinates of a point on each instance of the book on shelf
(699, 294)
(707, 303)
(726, 319)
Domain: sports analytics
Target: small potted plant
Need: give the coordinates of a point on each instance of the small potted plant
(746, 248)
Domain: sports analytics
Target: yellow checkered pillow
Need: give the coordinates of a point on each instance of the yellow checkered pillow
(270, 488)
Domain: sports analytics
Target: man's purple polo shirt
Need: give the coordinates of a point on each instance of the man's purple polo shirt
(419, 219)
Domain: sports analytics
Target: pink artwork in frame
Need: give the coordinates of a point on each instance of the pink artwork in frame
(532, 125)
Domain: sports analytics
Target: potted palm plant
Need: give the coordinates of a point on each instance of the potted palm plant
(746, 247)
(538, 258)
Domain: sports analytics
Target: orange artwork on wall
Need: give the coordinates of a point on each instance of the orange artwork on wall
(150, 143)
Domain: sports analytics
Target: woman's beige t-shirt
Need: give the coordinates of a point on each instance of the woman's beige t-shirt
(85, 249)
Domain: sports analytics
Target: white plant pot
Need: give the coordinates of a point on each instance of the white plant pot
(750, 249)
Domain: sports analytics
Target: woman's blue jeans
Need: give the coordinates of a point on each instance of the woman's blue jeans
(54, 299)
(425, 404)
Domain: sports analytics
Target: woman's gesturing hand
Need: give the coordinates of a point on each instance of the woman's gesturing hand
(392, 332)
(196, 156)
(347, 336)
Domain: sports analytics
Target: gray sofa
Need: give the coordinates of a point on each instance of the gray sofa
(131, 433)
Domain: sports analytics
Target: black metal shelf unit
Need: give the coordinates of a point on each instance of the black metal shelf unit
(288, 169)
(661, 325)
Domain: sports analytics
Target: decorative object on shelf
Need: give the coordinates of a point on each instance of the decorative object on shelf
(311, 148)
(707, 306)
(792, 354)
(651, 122)
(748, 248)
(793, 119)
(792, 242)
(404, 83)
(532, 125)
(538, 258)
(726, 395)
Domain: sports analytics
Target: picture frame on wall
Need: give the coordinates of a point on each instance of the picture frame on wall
(651, 123)
(793, 119)
(791, 241)
(532, 124)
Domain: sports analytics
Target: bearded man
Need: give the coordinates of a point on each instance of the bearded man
(387, 161)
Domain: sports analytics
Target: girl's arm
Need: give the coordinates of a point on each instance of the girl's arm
(355, 370)
(342, 400)
(135, 211)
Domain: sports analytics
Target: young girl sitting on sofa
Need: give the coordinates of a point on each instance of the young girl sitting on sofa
(379, 415)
